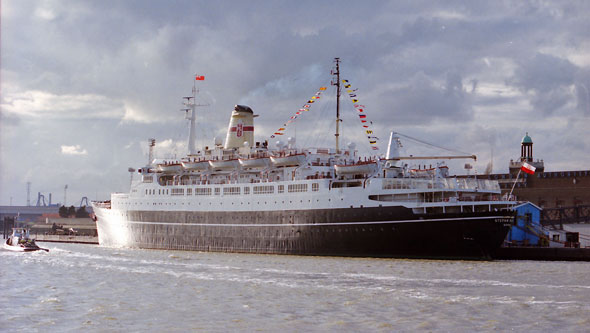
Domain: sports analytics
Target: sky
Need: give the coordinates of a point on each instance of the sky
(84, 84)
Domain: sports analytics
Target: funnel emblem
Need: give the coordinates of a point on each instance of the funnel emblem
(240, 130)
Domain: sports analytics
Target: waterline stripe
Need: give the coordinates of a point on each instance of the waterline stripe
(319, 224)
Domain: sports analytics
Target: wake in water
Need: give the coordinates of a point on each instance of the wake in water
(135, 286)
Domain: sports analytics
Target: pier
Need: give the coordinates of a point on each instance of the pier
(543, 253)
(67, 239)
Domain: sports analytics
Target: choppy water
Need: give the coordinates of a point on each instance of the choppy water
(91, 288)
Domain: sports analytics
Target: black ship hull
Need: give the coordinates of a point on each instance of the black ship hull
(367, 232)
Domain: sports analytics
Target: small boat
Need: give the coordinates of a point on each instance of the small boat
(360, 168)
(288, 160)
(195, 165)
(20, 241)
(255, 163)
(170, 167)
(223, 164)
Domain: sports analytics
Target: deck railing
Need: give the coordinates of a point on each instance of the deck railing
(441, 184)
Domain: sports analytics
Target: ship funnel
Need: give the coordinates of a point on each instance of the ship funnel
(241, 127)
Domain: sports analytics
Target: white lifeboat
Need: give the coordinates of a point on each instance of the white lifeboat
(195, 165)
(255, 163)
(223, 164)
(361, 168)
(288, 160)
(170, 167)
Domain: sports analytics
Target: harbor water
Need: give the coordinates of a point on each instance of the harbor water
(77, 287)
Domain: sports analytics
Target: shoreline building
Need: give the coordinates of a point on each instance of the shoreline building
(546, 189)
(562, 196)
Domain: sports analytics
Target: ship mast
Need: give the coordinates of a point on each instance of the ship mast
(336, 82)
(190, 104)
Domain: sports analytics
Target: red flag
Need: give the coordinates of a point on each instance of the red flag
(528, 168)
(200, 77)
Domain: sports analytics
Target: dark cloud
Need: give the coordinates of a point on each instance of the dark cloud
(106, 75)
(547, 79)
(423, 101)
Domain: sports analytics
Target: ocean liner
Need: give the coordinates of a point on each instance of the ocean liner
(244, 196)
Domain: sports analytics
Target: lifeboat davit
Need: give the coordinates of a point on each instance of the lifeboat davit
(362, 168)
(288, 160)
(255, 163)
(195, 165)
(170, 167)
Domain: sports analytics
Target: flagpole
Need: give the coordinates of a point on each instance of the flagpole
(513, 185)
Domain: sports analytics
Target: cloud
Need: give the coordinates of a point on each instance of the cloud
(104, 74)
(424, 99)
(36, 103)
(73, 150)
(547, 80)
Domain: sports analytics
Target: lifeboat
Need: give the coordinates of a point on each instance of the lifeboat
(255, 163)
(170, 168)
(196, 165)
(224, 164)
(288, 160)
(362, 168)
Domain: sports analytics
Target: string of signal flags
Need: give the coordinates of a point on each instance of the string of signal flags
(373, 140)
(304, 108)
(366, 124)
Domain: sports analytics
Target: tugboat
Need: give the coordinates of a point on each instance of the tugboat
(20, 241)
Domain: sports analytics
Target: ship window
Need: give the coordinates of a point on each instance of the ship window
(246, 190)
(203, 191)
(189, 191)
(177, 191)
(281, 188)
(264, 189)
(347, 184)
(297, 188)
(217, 191)
(390, 184)
(231, 190)
(315, 187)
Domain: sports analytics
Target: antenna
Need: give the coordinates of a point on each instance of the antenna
(336, 82)
(152, 144)
(28, 193)
(65, 192)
